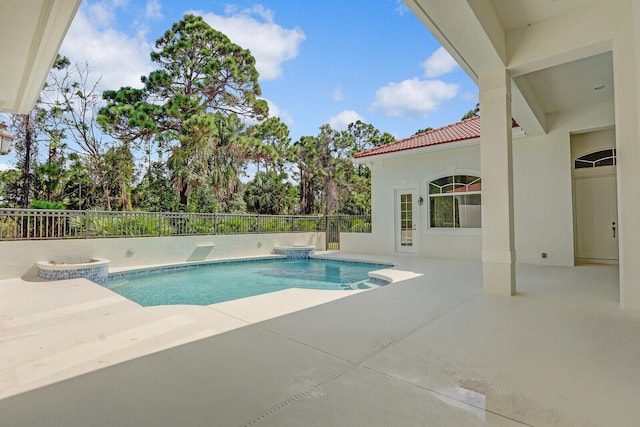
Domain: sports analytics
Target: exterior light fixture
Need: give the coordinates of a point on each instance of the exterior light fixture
(420, 200)
(6, 138)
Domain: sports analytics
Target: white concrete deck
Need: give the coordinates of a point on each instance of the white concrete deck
(428, 350)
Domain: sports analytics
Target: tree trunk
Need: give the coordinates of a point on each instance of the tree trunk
(331, 196)
(184, 195)
(26, 168)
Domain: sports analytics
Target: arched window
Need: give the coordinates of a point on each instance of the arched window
(594, 160)
(454, 202)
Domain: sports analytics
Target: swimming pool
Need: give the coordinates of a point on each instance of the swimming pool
(212, 283)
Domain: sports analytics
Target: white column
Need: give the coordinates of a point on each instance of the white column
(626, 63)
(498, 249)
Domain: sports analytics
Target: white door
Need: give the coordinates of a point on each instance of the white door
(406, 221)
(596, 215)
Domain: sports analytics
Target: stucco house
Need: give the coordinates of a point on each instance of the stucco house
(569, 73)
(427, 196)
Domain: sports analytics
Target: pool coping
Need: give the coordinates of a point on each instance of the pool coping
(121, 273)
(63, 338)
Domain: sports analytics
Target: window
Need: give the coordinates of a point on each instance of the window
(597, 159)
(454, 202)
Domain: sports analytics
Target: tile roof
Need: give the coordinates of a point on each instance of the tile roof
(464, 130)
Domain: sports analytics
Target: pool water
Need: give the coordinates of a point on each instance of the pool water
(213, 283)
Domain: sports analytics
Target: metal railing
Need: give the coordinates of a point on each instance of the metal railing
(41, 224)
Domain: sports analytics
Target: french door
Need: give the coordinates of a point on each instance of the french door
(406, 221)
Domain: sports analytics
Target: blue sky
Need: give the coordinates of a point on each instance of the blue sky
(330, 61)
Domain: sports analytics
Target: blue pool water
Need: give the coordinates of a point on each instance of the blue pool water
(213, 283)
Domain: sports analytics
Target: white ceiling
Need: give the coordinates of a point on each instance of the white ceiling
(31, 32)
(514, 14)
(571, 85)
(564, 87)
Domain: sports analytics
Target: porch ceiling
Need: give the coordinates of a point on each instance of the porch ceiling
(571, 85)
(477, 34)
(514, 14)
(31, 32)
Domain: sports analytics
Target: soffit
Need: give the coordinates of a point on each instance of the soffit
(514, 14)
(571, 85)
(31, 32)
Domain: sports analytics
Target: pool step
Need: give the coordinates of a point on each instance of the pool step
(71, 348)
(370, 283)
(362, 284)
(37, 305)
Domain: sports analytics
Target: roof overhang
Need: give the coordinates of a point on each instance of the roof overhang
(31, 32)
(516, 133)
(534, 41)
(417, 151)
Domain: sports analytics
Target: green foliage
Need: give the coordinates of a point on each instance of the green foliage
(127, 225)
(202, 84)
(9, 188)
(235, 225)
(356, 225)
(419, 131)
(118, 175)
(78, 189)
(270, 193)
(155, 193)
(192, 111)
(330, 182)
(308, 224)
(45, 204)
(472, 113)
(268, 145)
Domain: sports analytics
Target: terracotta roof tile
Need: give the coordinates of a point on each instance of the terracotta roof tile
(466, 129)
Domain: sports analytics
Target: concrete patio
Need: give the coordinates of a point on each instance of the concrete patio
(431, 349)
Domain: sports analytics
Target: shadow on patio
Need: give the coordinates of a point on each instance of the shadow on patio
(430, 350)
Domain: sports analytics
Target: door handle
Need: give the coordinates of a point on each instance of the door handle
(613, 229)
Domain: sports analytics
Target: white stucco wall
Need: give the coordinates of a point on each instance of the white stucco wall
(543, 211)
(414, 171)
(542, 194)
(18, 258)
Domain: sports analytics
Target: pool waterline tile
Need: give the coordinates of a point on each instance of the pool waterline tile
(272, 274)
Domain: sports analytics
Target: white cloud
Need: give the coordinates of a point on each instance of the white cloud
(337, 95)
(469, 96)
(255, 29)
(153, 10)
(5, 167)
(439, 63)
(274, 111)
(414, 97)
(401, 8)
(119, 58)
(344, 119)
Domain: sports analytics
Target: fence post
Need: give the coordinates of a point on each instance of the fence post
(258, 225)
(86, 224)
(159, 224)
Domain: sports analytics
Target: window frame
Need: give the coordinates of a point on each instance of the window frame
(473, 177)
(606, 154)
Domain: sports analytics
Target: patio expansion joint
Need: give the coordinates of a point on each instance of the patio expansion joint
(352, 365)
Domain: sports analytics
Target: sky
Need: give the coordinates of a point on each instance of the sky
(330, 61)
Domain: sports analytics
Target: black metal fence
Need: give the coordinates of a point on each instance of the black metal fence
(41, 224)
